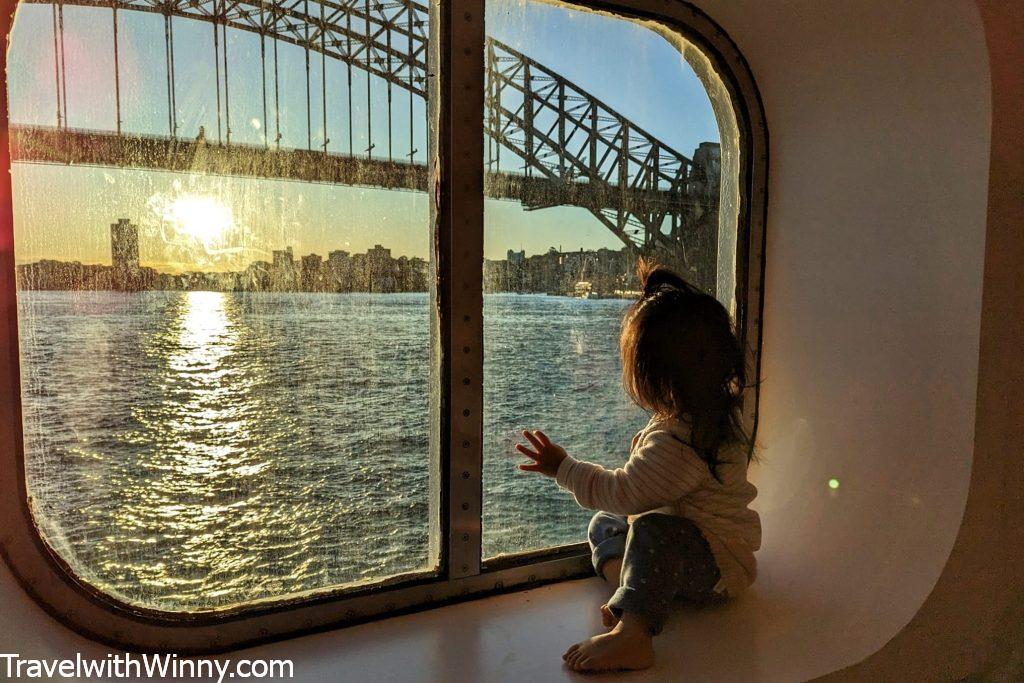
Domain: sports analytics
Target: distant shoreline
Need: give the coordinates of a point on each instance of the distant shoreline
(610, 296)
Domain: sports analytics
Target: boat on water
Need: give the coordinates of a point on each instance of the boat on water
(584, 290)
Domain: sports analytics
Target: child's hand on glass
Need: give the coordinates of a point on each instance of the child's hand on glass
(546, 457)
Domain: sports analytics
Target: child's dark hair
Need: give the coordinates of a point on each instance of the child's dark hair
(681, 358)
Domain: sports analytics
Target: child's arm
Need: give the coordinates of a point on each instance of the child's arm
(659, 472)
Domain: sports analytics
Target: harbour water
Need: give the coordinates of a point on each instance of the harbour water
(195, 450)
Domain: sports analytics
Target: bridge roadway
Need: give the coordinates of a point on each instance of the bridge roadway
(77, 147)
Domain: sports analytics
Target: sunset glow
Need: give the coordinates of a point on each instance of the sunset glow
(206, 219)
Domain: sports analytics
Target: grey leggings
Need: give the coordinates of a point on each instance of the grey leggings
(665, 559)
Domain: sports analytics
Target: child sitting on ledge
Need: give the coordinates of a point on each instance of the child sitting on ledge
(673, 522)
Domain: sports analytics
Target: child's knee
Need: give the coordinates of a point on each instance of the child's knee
(654, 528)
(604, 525)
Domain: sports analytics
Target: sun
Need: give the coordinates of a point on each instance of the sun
(204, 218)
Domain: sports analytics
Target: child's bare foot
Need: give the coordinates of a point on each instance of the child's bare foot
(607, 617)
(627, 646)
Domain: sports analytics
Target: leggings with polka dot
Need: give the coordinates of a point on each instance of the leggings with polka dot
(665, 560)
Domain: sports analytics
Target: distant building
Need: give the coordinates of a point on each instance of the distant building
(124, 254)
(284, 275)
(339, 271)
(257, 277)
(312, 273)
(339, 256)
(412, 274)
(381, 270)
(283, 258)
(124, 245)
(378, 254)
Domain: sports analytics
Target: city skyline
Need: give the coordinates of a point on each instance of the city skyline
(373, 270)
(605, 272)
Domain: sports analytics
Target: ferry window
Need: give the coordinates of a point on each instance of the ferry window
(602, 146)
(289, 278)
(223, 268)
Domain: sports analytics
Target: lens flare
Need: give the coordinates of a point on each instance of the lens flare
(204, 218)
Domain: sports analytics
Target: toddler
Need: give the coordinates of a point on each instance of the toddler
(673, 523)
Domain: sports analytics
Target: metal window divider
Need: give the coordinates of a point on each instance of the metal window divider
(456, 187)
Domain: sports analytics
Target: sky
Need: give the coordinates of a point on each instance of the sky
(190, 221)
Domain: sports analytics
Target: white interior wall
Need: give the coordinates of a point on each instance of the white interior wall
(879, 120)
(879, 123)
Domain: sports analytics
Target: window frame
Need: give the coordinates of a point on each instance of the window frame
(456, 107)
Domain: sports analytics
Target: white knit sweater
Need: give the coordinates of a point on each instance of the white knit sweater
(664, 474)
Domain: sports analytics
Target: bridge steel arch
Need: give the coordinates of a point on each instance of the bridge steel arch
(572, 148)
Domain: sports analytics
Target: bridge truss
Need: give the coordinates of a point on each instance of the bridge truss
(569, 148)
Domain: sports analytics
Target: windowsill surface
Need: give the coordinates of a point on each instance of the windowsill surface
(773, 632)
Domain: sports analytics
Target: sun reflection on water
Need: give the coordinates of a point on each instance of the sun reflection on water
(206, 334)
(205, 429)
(197, 450)
(232, 447)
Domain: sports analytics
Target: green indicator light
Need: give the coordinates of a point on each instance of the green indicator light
(833, 484)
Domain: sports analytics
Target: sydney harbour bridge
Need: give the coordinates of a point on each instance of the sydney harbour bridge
(567, 147)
